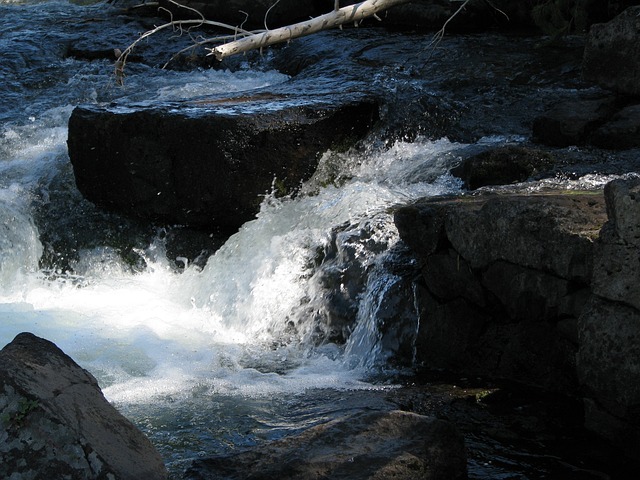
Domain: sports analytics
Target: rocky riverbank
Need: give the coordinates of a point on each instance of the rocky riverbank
(536, 289)
(523, 284)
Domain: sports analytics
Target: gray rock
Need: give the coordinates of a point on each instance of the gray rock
(611, 55)
(504, 280)
(206, 164)
(623, 210)
(608, 360)
(57, 424)
(616, 273)
(622, 131)
(536, 289)
(368, 445)
(527, 294)
(548, 233)
(572, 123)
(448, 335)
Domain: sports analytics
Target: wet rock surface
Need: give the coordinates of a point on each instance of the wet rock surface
(207, 165)
(56, 422)
(367, 445)
(535, 289)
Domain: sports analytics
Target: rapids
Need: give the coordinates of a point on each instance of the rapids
(221, 354)
(209, 355)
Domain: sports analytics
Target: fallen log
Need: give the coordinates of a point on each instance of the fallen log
(337, 17)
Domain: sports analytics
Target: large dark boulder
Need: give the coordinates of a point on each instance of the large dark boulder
(367, 445)
(539, 289)
(612, 56)
(608, 359)
(504, 281)
(55, 422)
(206, 164)
(572, 122)
(502, 166)
(607, 122)
(622, 131)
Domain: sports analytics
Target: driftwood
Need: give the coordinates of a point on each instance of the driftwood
(240, 40)
(336, 18)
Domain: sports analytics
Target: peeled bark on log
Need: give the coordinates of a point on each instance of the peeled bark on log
(351, 13)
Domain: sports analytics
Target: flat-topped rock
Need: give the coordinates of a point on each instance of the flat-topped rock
(207, 163)
(539, 289)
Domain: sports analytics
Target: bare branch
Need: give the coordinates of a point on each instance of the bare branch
(439, 35)
(179, 24)
(241, 40)
(267, 14)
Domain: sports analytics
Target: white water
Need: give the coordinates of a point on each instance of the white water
(168, 345)
(160, 332)
(209, 358)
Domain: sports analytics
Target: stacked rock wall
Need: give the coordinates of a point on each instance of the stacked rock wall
(538, 289)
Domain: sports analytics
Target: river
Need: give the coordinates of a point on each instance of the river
(199, 357)
(205, 355)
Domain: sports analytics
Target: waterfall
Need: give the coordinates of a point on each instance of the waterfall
(299, 300)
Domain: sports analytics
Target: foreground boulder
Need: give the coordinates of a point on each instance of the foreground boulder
(608, 360)
(368, 445)
(206, 164)
(55, 422)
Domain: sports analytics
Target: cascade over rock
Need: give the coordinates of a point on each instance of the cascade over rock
(55, 422)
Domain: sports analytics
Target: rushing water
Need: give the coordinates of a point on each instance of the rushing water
(217, 354)
(203, 358)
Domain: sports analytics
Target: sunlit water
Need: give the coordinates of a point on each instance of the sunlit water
(203, 359)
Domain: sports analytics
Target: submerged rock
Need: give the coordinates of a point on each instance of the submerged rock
(57, 424)
(368, 445)
(207, 163)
